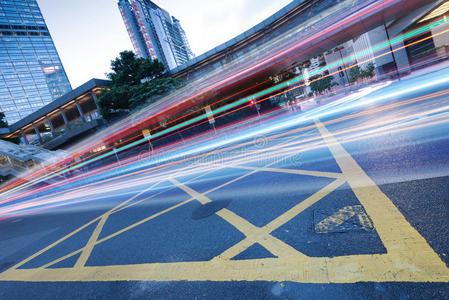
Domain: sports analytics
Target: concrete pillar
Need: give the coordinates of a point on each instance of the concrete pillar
(24, 137)
(95, 100)
(10, 164)
(38, 133)
(400, 55)
(80, 111)
(66, 121)
(52, 129)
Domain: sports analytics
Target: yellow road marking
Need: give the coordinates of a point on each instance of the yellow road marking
(293, 171)
(54, 262)
(344, 269)
(194, 194)
(152, 196)
(54, 244)
(140, 201)
(303, 205)
(258, 235)
(91, 243)
(282, 219)
(135, 224)
(403, 243)
(235, 250)
(408, 258)
(122, 231)
(78, 230)
(253, 233)
(143, 221)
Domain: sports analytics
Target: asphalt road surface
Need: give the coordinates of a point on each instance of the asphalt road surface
(347, 200)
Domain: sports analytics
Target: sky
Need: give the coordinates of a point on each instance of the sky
(88, 34)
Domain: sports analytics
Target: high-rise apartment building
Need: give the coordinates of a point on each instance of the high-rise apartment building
(31, 73)
(154, 33)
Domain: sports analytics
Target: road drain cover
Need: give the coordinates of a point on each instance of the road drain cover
(209, 209)
(348, 218)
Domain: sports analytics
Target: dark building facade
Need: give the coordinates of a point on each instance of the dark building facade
(154, 33)
(31, 72)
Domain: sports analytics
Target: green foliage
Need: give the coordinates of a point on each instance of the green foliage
(114, 100)
(368, 72)
(15, 140)
(149, 92)
(3, 122)
(356, 72)
(150, 69)
(127, 90)
(275, 101)
(128, 69)
(3, 179)
(321, 83)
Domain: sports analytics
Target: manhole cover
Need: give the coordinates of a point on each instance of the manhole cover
(209, 209)
(348, 218)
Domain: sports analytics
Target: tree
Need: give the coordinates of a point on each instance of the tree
(4, 124)
(128, 69)
(128, 89)
(368, 72)
(114, 100)
(354, 74)
(151, 91)
(321, 83)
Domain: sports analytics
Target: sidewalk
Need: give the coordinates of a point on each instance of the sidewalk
(324, 99)
(426, 70)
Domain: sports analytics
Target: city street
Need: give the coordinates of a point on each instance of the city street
(346, 200)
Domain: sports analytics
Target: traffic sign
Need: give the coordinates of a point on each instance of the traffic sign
(76, 157)
(209, 114)
(146, 134)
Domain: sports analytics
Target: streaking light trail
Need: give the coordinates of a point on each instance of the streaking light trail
(344, 104)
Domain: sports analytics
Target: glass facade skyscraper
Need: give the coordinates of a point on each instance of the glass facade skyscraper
(154, 33)
(31, 73)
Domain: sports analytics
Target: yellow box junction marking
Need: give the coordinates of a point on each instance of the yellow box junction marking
(408, 257)
(253, 233)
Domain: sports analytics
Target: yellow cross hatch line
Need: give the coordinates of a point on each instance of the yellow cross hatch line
(253, 233)
(91, 243)
(408, 258)
(117, 209)
(282, 219)
(293, 171)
